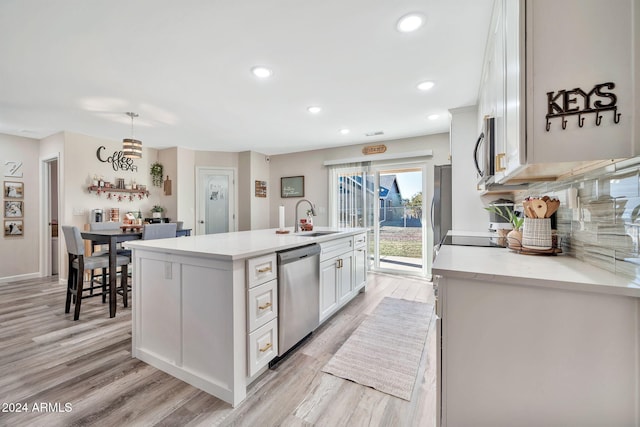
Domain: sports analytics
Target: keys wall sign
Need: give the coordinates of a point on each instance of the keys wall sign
(576, 101)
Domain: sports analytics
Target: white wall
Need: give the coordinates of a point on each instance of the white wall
(260, 171)
(19, 255)
(467, 206)
(81, 163)
(310, 165)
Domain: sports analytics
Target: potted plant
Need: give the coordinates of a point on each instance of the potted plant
(514, 237)
(156, 211)
(156, 174)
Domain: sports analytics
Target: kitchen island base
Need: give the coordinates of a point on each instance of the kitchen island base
(205, 308)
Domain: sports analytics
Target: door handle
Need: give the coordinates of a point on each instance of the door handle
(475, 154)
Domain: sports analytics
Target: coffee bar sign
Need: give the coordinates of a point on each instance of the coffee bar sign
(577, 102)
(117, 159)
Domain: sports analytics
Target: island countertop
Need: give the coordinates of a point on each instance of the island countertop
(501, 265)
(240, 244)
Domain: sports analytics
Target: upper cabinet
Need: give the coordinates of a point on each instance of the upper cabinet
(559, 79)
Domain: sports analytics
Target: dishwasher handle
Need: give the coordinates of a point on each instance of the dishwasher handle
(292, 255)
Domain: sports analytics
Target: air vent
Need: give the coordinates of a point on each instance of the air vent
(377, 133)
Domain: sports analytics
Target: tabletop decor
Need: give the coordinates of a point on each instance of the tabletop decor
(537, 236)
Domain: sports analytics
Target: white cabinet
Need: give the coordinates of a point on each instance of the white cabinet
(336, 283)
(545, 65)
(359, 262)
(328, 287)
(262, 312)
(516, 355)
(262, 304)
(263, 346)
(342, 272)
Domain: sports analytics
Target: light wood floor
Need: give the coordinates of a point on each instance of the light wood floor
(47, 358)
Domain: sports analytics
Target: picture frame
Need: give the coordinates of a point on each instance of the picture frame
(13, 190)
(261, 188)
(292, 186)
(13, 227)
(13, 208)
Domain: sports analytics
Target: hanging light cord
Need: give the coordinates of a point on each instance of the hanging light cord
(132, 115)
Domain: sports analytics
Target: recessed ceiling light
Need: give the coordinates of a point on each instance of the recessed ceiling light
(433, 116)
(410, 22)
(426, 85)
(314, 109)
(261, 72)
(344, 131)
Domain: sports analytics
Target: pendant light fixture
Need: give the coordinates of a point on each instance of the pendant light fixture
(131, 147)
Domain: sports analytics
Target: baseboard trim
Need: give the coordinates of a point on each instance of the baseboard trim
(19, 277)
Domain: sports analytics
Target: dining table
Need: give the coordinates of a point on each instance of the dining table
(112, 238)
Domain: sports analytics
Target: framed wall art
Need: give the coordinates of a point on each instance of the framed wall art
(13, 227)
(13, 190)
(13, 208)
(261, 188)
(292, 186)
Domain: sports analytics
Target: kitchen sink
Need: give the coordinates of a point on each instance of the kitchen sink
(315, 233)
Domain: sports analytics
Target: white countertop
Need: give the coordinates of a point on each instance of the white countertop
(502, 265)
(240, 244)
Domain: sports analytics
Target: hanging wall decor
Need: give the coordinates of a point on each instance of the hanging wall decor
(156, 174)
(576, 101)
(117, 159)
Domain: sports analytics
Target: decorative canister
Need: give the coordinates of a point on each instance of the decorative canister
(114, 215)
(536, 233)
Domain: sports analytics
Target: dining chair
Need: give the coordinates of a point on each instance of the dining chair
(78, 264)
(97, 248)
(159, 231)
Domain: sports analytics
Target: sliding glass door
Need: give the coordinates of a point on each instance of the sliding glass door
(388, 202)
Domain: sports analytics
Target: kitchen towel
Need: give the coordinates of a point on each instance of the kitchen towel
(384, 352)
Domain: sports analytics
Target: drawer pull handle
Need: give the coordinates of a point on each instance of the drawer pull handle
(265, 306)
(265, 348)
(264, 270)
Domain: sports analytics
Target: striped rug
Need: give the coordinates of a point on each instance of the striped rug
(384, 351)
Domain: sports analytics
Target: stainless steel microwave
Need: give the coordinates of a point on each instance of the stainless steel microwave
(484, 153)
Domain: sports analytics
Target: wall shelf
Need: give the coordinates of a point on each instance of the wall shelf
(119, 194)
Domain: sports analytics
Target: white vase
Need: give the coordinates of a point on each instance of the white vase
(157, 214)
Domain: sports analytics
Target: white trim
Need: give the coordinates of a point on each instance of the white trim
(27, 276)
(375, 158)
(233, 219)
(45, 238)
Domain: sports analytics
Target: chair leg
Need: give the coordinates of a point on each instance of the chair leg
(76, 313)
(124, 283)
(104, 285)
(70, 281)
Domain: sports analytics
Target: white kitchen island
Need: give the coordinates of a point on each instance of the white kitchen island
(205, 308)
(534, 341)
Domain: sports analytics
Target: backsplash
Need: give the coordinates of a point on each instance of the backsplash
(603, 228)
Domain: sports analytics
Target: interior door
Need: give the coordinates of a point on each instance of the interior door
(216, 201)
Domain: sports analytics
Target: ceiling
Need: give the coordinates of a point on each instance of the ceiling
(185, 68)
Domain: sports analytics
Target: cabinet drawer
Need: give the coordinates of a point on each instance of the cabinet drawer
(335, 247)
(263, 346)
(263, 304)
(360, 240)
(261, 270)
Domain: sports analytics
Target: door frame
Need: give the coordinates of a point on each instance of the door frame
(375, 170)
(45, 218)
(233, 207)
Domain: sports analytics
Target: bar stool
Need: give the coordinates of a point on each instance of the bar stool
(78, 263)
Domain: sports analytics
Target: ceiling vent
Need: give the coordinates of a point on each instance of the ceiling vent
(376, 133)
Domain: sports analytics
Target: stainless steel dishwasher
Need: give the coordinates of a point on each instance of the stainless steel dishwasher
(298, 295)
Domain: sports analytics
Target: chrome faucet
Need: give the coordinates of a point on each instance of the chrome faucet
(313, 212)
